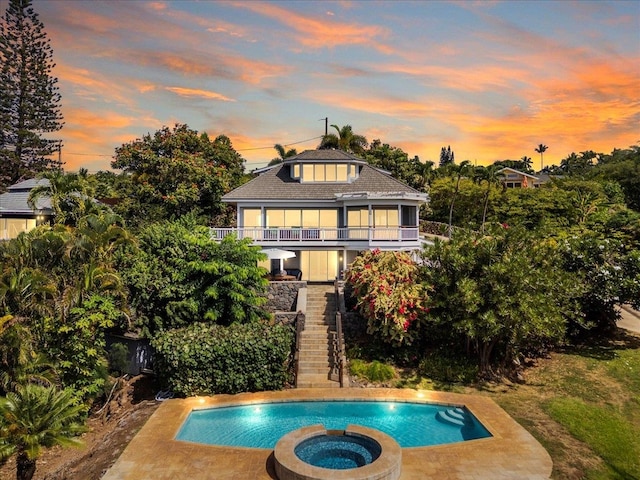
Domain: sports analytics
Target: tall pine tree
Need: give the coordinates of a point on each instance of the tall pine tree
(29, 97)
(446, 156)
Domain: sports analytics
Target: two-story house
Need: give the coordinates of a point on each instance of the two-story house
(325, 206)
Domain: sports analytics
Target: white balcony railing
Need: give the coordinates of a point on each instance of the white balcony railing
(309, 235)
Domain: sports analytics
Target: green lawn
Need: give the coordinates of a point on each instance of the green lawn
(582, 405)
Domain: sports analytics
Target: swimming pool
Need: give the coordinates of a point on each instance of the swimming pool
(262, 425)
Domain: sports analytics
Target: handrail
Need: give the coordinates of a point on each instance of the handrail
(340, 356)
(296, 355)
(300, 324)
(318, 234)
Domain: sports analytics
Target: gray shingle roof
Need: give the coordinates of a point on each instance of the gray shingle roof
(277, 184)
(15, 200)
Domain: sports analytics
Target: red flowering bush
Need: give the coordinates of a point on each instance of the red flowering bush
(389, 294)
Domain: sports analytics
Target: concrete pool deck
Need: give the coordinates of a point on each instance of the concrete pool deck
(512, 453)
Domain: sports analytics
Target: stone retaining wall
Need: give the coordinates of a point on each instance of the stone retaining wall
(282, 296)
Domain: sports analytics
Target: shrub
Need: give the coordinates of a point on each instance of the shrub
(389, 295)
(373, 372)
(207, 359)
(448, 368)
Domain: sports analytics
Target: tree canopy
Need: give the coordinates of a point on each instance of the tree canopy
(174, 172)
(344, 139)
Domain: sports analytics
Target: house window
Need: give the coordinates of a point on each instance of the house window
(385, 217)
(341, 172)
(307, 218)
(296, 170)
(514, 184)
(357, 217)
(12, 227)
(251, 217)
(321, 172)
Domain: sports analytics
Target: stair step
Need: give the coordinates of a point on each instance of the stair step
(314, 347)
(313, 364)
(314, 354)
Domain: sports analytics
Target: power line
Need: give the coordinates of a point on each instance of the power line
(284, 145)
(237, 150)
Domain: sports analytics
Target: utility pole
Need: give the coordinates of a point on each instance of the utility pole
(326, 125)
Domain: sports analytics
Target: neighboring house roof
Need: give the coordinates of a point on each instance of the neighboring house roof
(545, 177)
(15, 200)
(276, 183)
(518, 172)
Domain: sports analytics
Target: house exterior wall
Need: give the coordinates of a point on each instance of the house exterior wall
(325, 206)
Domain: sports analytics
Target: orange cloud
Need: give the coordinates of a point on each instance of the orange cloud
(315, 32)
(193, 92)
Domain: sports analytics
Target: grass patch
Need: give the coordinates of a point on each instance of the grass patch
(608, 433)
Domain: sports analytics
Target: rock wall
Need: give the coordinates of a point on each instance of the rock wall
(283, 296)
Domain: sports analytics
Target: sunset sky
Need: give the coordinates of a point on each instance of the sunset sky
(492, 79)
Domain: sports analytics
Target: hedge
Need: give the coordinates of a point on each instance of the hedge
(206, 359)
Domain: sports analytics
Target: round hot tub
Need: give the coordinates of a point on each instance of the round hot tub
(339, 452)
(315, 453)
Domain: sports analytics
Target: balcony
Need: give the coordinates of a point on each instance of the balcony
(405, 237)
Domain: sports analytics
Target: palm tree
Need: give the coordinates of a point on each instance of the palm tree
(282, 154)
(344, 140)
(458, 171)
(92, 249)
(34, 417)
(494, 178)
(70, 194)
(541, 149)
(526, 163)
(25, 290)
(19, 361)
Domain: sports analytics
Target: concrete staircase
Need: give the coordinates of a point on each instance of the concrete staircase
(315, 355)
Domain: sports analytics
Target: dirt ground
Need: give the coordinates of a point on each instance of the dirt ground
(110, 431)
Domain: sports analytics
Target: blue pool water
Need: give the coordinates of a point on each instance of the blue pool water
(262, 425)
(338, 452)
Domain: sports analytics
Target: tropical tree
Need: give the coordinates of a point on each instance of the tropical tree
(180, 276)
(20, 361)
(282, 154)
(457, 171)
(541, 148)
(174, 172)
(623, 166)
(492, 294)
(71, 195)
(25, 291)
(493, 177)
(526, 163)
(344, 139)
(34, 417)
(29, 98)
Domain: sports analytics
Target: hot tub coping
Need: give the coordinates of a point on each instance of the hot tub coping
(289, 467)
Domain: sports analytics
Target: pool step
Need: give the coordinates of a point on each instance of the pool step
(454, 416)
